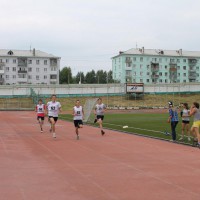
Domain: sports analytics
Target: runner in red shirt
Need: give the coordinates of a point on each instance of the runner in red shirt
(40, 109)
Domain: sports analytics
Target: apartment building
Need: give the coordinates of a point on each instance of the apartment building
(140, 65)
(28, 67)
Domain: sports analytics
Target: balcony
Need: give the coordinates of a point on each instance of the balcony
(1, 81)
(22, 62)
(2, 64)
(2, 71)
(128, 60)
(53, 62)
(155, 69)
(155, 76)
(173, 69)
(22, 80)
(22, 71)
(192, 61)
(53, 73)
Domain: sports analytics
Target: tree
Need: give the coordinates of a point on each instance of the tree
(101, 76)
(80, 77)
(110, 77)
(65, 76)
(90, 77)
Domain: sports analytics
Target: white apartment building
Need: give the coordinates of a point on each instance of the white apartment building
(28, 67)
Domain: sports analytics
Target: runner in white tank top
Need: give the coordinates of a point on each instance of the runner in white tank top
(99, 111)
(53, 108)
(40, 109)
(78, 114)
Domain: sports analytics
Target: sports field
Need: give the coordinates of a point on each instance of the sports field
(153, 124)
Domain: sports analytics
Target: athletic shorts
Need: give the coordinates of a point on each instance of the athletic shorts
(77, 123)
(55, 118)
(100, 117)
(185, 122)
(39, 117)
(196, 124)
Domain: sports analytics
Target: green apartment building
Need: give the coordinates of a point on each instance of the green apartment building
(149, 66)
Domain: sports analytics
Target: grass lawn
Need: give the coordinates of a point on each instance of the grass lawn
(141, 123)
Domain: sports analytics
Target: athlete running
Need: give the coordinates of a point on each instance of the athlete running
(78, 114)
(99, 111)
(40, 109)
(53, 108)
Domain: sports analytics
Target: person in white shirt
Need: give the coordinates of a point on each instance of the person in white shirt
(185, 114)
(78, 114)
(53, 108)
(99, 111)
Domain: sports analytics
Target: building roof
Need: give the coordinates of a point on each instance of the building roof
(159, 52)
(25, 53)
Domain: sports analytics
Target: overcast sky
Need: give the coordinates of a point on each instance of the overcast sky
(87, 33)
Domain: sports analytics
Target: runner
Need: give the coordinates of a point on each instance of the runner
(40, 109)
(78, 114)
(53, 108)
(99, 111)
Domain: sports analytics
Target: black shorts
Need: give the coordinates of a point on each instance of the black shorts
(185, 122)
(39, 117)
(77, 123)
(100, 117)
(55, 118)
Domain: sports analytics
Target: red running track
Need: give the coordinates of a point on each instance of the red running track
(117, 166)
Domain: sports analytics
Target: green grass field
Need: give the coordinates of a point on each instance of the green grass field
(146, 124)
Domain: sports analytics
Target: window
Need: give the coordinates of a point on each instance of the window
(141, 73)
(148, 67)
(134, 59)
(7, 60)
(37, 62)
(184, 74)
(160, 73)
(184, 60)
(37, 78)
(165, 73)
(53, 68)
(29, 77)
(184, 81)
(7, 69)
(166, 59)
(14, 69)
(197, 68)
(178, 60)
(178, 67)
(45, 69)
(37, 69)
(160, 59)
(148, 73)
(141, 59)
(160, 80)
(147, 80)
(14, 76)
(134, 66)
(184, 67)
(7, 76)
(45, 77)
(29, 61)
(147, 59)
(14, 61)
(45, 62)
(165, 66)
(141, 80)
(30, 69)
(140, 66)
(165, 80)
